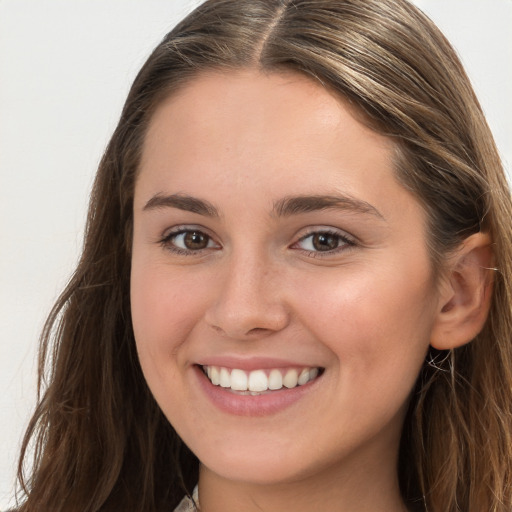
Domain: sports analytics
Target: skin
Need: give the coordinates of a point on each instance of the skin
(364, 311)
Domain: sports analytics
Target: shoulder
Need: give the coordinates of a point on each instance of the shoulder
(189, 503)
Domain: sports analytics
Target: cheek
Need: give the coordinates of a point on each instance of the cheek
(163, 315)
(164, 309)
(371, 322)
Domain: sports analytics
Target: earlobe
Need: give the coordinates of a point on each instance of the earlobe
(465, 298)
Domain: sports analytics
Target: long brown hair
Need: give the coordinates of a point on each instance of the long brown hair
(99, 440)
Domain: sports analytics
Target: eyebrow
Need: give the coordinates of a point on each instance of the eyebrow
(303, 204)
(286, 207)
(182, 202)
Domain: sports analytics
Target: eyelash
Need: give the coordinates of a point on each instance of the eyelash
(344, 242)
(167, 241)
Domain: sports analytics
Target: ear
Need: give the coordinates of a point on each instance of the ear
(465, 296)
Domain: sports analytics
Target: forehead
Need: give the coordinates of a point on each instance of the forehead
(246, 115)
(258, 137)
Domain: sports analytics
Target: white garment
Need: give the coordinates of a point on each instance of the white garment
(187, 505)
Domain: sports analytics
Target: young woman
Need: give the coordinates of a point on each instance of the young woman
(295, 289)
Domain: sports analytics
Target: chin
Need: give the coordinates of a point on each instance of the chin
(259, 473)
(255, 465)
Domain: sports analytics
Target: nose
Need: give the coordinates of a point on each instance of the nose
(249, 300)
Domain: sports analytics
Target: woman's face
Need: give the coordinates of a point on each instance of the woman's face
(272, 244)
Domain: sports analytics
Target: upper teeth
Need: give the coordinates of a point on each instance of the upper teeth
(259, 380)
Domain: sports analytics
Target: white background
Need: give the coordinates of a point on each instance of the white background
(65, 69)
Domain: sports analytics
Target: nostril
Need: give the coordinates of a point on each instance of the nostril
(258, 331)
(237, 327)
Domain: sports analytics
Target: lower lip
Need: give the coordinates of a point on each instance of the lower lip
(251, 405)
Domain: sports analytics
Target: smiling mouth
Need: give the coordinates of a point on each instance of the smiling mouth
(258, 382)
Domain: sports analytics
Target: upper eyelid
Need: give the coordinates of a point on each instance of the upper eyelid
(169, 233)
(306, 232)
(167, 243)
(183, 228)
(350, 242)
(328, 229)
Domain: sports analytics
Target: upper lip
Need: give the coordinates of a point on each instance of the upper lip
(253, 363)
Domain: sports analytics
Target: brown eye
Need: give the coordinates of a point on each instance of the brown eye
(325, 241)
(188, 241)
(195, 240)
